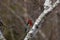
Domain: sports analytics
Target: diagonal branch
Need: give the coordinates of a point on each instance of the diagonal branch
(34, 29)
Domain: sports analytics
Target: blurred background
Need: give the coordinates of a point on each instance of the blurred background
(18, 16)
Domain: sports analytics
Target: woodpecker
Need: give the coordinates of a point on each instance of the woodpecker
(28, 22)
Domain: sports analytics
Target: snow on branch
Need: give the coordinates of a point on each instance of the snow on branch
(35, 27)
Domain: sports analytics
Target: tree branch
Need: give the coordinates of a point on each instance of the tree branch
(34, 29)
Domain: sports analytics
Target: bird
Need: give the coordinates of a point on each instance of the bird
(28, 22)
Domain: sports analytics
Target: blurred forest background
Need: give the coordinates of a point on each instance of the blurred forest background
(12, 14)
